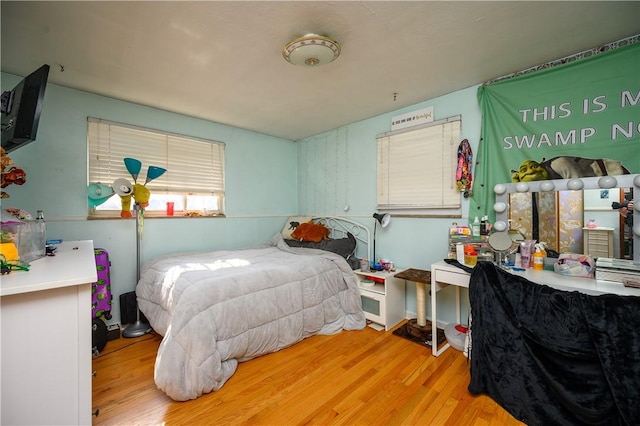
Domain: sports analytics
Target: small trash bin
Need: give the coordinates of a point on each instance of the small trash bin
(455, 334)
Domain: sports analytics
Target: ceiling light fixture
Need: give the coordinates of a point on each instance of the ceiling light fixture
(311, 50)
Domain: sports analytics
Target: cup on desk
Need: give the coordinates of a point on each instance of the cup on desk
(470, 256)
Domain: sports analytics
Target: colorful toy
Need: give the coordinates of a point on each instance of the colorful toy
(138, 192)
(98, 193)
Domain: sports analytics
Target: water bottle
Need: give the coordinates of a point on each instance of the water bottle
(40, 239)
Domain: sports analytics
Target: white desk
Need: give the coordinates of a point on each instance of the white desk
(443, 275)
(45, 355)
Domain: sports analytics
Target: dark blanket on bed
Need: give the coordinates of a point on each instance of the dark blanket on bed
(553, 357)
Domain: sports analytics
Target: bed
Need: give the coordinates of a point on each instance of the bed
(217, 309)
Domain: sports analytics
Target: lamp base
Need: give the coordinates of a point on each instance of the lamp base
(136, 329)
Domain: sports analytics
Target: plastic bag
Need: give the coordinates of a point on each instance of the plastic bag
(574, 265)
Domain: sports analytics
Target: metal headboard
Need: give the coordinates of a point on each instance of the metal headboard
(340, 226)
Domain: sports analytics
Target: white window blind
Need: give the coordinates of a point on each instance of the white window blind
(416, 168)
(194, 166)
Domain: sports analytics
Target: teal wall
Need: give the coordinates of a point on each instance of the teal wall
(260, 183)
(267, 179)
(337, 169)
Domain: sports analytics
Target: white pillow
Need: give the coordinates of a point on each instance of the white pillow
(291, 225)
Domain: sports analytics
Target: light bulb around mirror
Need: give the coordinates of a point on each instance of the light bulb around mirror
(547, 186)
(500, 188)
(499, 207)
(575, 184)
(636, 230)
(607, 182)
(636, 180)
(522, 187)
(500, 225)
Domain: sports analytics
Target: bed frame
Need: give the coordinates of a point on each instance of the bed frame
(340, 226)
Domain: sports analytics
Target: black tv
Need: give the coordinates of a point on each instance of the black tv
(21, 109)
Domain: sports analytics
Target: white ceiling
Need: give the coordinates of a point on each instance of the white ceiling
(222, 60)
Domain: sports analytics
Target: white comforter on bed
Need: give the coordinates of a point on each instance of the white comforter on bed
(220, 308)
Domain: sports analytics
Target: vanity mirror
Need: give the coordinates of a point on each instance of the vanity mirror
(539, 205)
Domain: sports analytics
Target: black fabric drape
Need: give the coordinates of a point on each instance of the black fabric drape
(553, 357)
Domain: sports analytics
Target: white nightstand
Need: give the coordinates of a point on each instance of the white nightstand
(382, 298)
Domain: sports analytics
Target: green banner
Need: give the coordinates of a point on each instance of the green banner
(579, 119)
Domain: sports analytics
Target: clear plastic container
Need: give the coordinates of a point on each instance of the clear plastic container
(29, 238)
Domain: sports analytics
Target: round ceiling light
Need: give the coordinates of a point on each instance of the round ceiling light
(311, 50)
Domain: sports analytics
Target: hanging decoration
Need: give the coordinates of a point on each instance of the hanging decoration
(464, 175)
(11, 175)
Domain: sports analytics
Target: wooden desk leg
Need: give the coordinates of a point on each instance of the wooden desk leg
(421, 296)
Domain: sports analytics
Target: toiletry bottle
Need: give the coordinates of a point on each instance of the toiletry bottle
(538, 257)
(41, 229)
(475, 228)
(460, 253)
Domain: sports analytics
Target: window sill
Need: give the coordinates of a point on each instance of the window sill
(152, 216)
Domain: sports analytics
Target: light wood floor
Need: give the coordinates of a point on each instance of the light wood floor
(363, 377)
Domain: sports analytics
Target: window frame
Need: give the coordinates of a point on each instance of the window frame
(198, 165)
(406, 160)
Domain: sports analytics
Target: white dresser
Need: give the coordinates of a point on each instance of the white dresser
(598, 242)
(45, 356)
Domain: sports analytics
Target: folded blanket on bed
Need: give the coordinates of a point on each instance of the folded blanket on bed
(220, 308)
(554, 357)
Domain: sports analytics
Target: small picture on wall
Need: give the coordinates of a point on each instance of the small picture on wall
(604, 194)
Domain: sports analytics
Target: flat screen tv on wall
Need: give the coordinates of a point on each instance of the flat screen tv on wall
(21, 109)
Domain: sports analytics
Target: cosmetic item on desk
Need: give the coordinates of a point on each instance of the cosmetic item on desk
(475, 228)
(484, 225)
(538, 257)
(527, 248)
(460, 253)
(457, 234)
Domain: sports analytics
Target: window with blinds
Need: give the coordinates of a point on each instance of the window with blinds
(193, 182)
(416, 169)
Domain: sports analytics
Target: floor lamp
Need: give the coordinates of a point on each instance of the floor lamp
(138, 328)
(383, 220)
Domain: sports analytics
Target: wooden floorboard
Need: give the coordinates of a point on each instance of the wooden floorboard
(365, 377)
